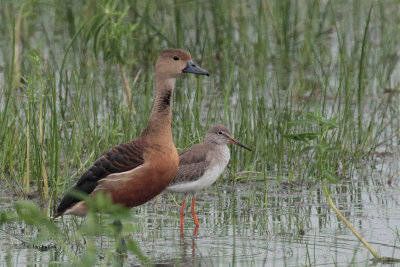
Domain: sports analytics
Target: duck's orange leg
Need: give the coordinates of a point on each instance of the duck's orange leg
(194, 213)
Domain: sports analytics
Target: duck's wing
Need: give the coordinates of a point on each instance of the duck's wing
(193, 162)
(120, 158)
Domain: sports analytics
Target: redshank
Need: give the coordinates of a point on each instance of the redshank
(201, 165)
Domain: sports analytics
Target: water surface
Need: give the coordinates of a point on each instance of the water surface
(243, 224)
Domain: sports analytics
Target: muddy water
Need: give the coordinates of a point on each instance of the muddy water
(246, 225)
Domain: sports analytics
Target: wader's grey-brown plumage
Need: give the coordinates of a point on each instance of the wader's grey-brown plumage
(201, 165)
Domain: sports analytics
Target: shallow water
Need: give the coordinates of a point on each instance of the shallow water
(243, 225)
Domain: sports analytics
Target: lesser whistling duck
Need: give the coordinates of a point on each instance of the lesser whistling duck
(135, 172)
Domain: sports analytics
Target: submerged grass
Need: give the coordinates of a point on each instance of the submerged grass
(78, 78)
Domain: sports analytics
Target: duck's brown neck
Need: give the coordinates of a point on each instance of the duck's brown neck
(159, 124)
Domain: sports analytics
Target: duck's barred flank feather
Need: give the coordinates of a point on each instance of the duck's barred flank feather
(119, 158)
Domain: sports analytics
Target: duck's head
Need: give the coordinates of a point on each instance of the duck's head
(173, 62)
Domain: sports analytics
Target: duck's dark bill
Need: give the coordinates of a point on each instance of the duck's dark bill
(192, 67)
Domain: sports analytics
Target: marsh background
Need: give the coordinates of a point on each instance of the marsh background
(311, 86)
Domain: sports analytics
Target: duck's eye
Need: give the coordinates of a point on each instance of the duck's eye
(220, 133)
(176, 58)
